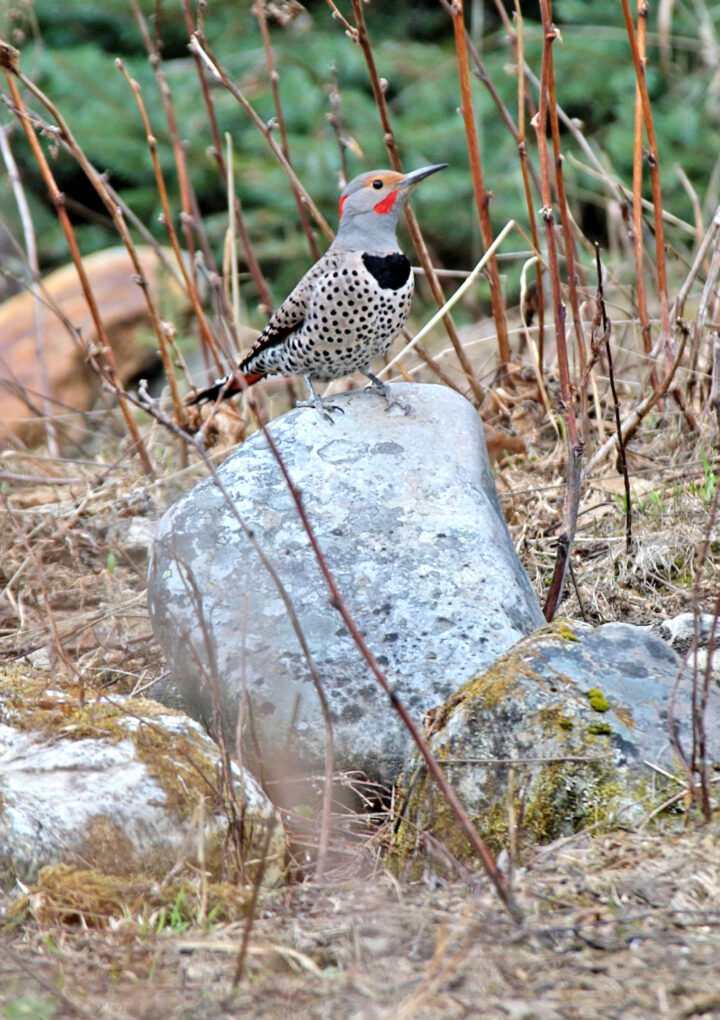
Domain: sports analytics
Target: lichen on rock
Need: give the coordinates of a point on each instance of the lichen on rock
(124, 787)
(552, 737)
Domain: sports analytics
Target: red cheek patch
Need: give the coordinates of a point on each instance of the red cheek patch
(343, 199)
(387, 203)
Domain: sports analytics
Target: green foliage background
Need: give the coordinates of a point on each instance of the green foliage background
(70, 50)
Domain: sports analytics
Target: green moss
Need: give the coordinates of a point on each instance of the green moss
(179, 762)
(551, 718)
(598, 701)
(92, 899)
(495, 685)
(569, 795)
(541, 799)
(564, 630)
(409, 850)
(184, 765)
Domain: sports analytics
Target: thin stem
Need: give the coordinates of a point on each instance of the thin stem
(654, 162)
(337, 602)
(454, 298)
(574, 446)
(482, 198)
(197, 442)
(98, 183)
(616, 404)
(638, 247)
(184, 182)
(636, 416)
(573, 270)
(232, 235)
(526, 167)
(217, 151)
(391, 145)
(335, 120)
(201, 48)
(259, 12)
(9, 61)
(190, 288)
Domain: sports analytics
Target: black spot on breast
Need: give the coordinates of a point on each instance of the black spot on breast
(391, 271)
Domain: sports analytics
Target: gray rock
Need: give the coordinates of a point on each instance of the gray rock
(680, 632)
(405, 510)
(114, 787)
(560, 728)
(138, 539)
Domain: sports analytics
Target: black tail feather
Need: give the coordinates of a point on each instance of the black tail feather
(220, 388)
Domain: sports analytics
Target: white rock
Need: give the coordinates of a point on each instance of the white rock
(406, 513)
(114, 787)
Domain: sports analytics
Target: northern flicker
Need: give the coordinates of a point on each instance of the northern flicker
(349, 307)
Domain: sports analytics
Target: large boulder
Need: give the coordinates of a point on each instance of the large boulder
(570, 727)
(406, 513)
(124, 787)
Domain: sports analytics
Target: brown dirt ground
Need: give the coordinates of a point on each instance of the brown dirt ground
(622, 925)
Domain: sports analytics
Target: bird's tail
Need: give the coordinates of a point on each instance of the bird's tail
(228, 386)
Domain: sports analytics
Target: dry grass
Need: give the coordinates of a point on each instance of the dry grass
(624, 925)
(602, 912)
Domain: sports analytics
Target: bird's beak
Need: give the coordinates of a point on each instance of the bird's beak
(415, 176)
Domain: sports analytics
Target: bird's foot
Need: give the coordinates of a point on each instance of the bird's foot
(378, 386)
(324, 407)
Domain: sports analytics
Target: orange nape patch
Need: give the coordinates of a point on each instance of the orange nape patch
(343, 200)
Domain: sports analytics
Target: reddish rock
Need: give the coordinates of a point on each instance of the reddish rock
(73, 384)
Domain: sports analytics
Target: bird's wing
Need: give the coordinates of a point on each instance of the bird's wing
(289, 316)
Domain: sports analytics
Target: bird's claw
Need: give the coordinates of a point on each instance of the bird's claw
(382, 388)
(325, 407)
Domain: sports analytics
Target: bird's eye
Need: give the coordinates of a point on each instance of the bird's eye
(377, 183)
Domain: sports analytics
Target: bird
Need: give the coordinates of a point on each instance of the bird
(348, 307)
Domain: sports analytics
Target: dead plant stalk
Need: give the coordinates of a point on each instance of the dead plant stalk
(9, 61)
(607, 332)
(573, 268)
(197, 443)
(361, 37)
(190, 287)
(654, 164)
(482, 197)
(200, 47)
(337, 602)
(526, 167)
(98, 183)
(184, 182)
(217, 150)
(637, 218)
(574, 444)
(260, 13)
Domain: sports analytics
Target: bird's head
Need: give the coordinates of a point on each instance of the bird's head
(371, 203)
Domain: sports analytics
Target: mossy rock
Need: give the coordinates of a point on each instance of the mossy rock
(124, 787)
(554, 736)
